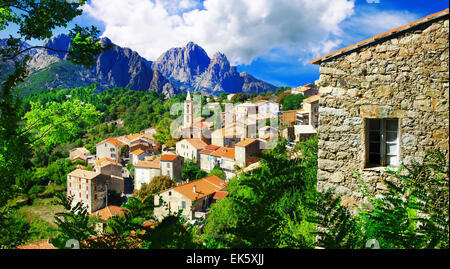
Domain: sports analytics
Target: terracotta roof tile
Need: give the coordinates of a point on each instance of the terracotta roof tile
(137, 152)
(169, 157)
(196, 143)
(113, 141)
(44, 244)
(246, 142)
(108, 212)
(84, 174)
(312, 99)
(220, 195)
(207, 151)
(224, 152)
(154, 164)
(102, 162)
(204, 187)
(381, 36)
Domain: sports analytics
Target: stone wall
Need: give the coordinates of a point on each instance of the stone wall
(404, 76)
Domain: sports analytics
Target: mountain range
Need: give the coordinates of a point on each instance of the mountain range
(175, 71)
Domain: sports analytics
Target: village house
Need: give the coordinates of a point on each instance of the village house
(87, 187)
(110, 148)
(207, 160)
(138, 155)
(225, 157)
(383, 102)
(108, 167)
(105, 214)
(229, 135)
(303, 132)
(309, 114)
(80, 153)
(145, 171)
(193, 198)
(190, 148)
(244, 151)
(290, 117)
(171, 165)
(268, 107)
(307, 90)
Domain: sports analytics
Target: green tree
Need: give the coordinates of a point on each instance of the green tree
(157, 184)
(192, 173)
(293, 101)
(217, 171)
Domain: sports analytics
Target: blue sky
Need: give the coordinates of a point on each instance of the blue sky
(273, 40)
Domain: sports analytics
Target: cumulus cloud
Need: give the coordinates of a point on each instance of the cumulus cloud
(242, 29)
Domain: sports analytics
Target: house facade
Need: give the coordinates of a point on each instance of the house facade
(145, 171)
(110, 148)
(190, 148)
(87, 187)
(383, 102)
(244, 151)
(193, 198)
(171, 165)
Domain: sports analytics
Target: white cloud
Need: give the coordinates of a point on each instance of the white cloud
(242, 29)
(372, 22)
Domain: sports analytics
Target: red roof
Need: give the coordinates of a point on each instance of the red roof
(44, 244)
(380, 36)
(169, 157)
(220, 195)
(213, 147)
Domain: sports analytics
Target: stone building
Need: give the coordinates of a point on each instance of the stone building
(190, 148)
(383, 101)
(207, 160)
(244, 151)
(193, 198)
(110, 148)
(145, 171)
(108, 167)
(87, 187)
(171, 165)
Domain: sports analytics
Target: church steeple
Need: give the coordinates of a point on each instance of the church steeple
(188, 97)
(188, 112)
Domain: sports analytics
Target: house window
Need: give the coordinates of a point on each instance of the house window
(183, 204)
(170, 193)
(382, 142)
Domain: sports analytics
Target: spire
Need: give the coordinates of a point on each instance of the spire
(188, 97)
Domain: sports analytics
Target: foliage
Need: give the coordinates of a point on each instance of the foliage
(191, 172)
(54, 123)
(293, 101)
(157, 184)
(72, 224)
(14, 230)
(266, 207)
(239, 98)
(217, 171)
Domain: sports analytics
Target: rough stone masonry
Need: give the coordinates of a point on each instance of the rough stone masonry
(404, 75)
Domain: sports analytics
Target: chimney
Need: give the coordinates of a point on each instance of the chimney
(195, 191)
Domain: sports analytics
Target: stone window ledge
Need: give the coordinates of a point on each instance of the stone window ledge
(380, 168)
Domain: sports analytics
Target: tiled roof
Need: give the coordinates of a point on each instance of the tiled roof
(133, 136)
(207, 151)
(137, 152)
(81, 150)
(303, 88)
(246, 142)
(109, 211)
(113, 141)
(154, 164)
(44, 244)
(169, 157)
(224, 152)
(380, 36)
(213, 147)
(83, 174)
(196, 143)
(102, 162)
(204, 187)
(312, 99)
(220, 195)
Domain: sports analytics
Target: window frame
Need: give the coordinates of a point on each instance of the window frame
(383, 143)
